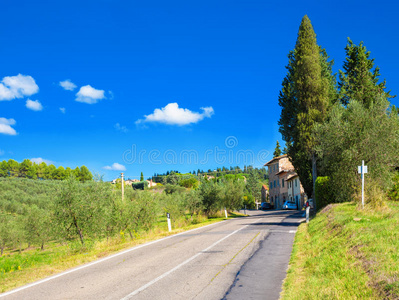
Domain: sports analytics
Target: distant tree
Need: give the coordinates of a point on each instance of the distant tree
(68, 172)
(253, 185)
(13, 168)
(24, 167)
(76, 173)
(3, 169)
(210, 193)
(59, 174)
(85, 174)
(172, 178)
(277, 150)
(50, 172)
(141, 176)
(42, 170)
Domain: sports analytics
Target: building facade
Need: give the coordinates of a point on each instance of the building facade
(296, 193)
(282, 184)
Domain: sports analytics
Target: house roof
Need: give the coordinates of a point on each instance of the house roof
(275, 159)
(264, 186)
(292, 176)
(283, 171)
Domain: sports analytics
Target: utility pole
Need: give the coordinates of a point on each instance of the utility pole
(123, 187)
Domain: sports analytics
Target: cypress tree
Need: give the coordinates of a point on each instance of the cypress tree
(277, 151)
(358, 81)
(307, 92)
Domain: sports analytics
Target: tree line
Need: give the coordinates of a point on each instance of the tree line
(330, 126)
(32, 170)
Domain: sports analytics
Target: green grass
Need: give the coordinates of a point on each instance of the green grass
(17, 269)
(346, 253)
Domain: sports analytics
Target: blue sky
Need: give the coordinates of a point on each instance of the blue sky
(160, 85)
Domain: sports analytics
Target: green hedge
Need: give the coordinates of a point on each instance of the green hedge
(324, 192)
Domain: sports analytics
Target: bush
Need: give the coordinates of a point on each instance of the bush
(393, 194)
(324, 192)
(171, 189)
(142, 185)
(189, 183)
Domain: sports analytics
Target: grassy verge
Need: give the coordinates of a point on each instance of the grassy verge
(17, 269)
(346, 253)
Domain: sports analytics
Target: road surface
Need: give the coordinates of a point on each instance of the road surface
(242, 258)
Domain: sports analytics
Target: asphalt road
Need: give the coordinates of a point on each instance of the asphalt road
(242, 258)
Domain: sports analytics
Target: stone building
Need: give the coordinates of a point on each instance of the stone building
(280, 171)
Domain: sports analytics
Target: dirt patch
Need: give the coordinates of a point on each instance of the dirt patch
(327, 208)
(385, 288)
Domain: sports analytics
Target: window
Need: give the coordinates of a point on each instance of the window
(296, 182)
(275, 183)
(282, 182)
(271, 185)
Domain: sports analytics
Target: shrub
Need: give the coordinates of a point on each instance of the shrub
(142, 185)
(171, 189)
(324, 192)
(189, 183)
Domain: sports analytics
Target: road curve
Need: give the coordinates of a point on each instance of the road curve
(204, 263)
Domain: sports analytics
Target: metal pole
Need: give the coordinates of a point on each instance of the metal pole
(307, 214)
(363, 183)
(123, 187)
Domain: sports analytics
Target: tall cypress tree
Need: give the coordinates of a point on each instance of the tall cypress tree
(277, 151)
(358, 81)
(307, 92)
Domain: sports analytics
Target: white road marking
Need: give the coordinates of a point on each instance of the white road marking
(101, 260)
(182, 264)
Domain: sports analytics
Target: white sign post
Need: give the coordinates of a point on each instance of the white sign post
(225, 212)
(362, 170)
(169, 224)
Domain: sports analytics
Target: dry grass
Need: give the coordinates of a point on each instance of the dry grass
(69, 256)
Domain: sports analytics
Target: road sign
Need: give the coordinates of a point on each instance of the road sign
(362, 170)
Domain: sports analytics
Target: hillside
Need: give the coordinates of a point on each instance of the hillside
(346, 253)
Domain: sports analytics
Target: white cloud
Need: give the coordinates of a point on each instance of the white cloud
(34, 105)
(118, 126)
(5, 126)
(171, 114)
(63, 110)
(39, 160)
(68, 85)
(115, 167)
(89, 95)
(19, 86)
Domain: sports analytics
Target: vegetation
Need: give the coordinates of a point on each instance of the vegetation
(355, 133)
(331, 136)
(304, 99)
(28, 169)
(346, 253)
(45, 222)
(277, 150)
